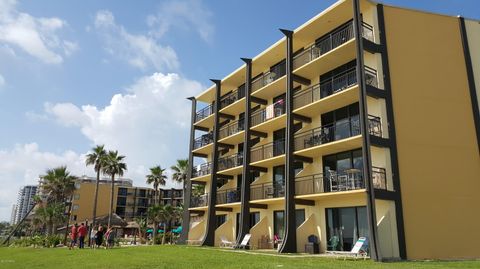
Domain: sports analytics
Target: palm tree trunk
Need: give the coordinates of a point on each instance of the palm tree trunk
(164, 233)
(111, 200)
(154, 233)
(95, 200)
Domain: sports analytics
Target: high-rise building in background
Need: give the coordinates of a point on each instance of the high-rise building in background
(13, 214)
(25, 201)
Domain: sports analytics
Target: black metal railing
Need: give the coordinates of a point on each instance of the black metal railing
(330, 42)
(231, 128)
(203, 113)
(272, 111)
(202, 170)
(267, 191)
(267, 151)
(203, 140)
(230, 161)
(198, 201)
(335, 131)
(379, 178)
(333, 85)
(232, 97)
(269, 77)
(228, 196)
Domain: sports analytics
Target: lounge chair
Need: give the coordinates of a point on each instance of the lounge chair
(245, 242)
(225, 243)
(359, 250)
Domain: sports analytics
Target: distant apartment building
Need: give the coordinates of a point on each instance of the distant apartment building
(25, 202)
(13, 214)
(129, 201)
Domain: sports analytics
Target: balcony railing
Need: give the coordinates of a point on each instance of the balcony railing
(203, 113)
(202, 170)
(268, 77)
(232, 97)
(203, 140)
(230, 161)
(231, 128)
(271, 111)
(350, 179)
(379, 177)
(333, 85)
(198, 201)
(335, 131)
(267, 191)
(267, 151)
(330, 42)
(228, 196)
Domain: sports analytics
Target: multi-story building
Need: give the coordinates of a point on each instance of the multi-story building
(25, 202)
(13, 214)
(173, 197)
(362, 122)
(129, 201)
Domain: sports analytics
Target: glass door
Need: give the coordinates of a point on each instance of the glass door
(278, 224)
(344, 227)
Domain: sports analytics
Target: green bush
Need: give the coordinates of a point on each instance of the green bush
(38, 241)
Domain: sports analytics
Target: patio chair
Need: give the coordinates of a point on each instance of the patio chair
(225, 243)
(333, 243)
(245, 242)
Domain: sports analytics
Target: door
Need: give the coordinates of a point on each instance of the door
(344, 226)
(278, 224)
(279, 142)
(278, 188)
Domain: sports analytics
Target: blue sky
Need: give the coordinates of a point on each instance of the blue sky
(78, 73)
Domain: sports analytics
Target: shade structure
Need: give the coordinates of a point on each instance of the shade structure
(117, 221)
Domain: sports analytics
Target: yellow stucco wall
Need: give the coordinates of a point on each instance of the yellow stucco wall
(85, 201)
(438, 157)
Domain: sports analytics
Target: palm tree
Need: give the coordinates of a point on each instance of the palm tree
(58, 184)
(49, 215)
(97, 159)
(180, 171)
(156, 214)
(156, 177)
(168, 215)
(114, 165)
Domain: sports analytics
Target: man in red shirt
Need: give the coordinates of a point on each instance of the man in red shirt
(82, 232)
(73, 236)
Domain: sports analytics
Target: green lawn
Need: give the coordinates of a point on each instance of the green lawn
(186, 257)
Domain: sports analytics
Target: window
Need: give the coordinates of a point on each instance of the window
(299, 217)
(221, 219)
(278, 223)
(74, 217)
(344, 226)
(77, 185)
(254, 218)
(122, 191)
(76, 196)
(75, 207)
(122, 201)
(341, 123)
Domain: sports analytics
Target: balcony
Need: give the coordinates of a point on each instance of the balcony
(267, 151)
(306, 101)
(228, 102)
(199, 201)
(201, 144)
(267, 191)
(231, 129)
(228, 196)
(268, 77)
(202, 171)
(330, 42)
(348, 180)
(267, 118)
(202, 117)
(230, 165)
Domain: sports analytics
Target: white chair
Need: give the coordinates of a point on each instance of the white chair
(245, 241)
(225, 243)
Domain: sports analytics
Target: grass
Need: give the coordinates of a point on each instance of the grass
(150, 257)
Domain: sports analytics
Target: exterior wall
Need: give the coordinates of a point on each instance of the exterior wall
(438, 158)
(85, 201)
(473, 35)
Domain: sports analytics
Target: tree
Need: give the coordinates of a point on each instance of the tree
(156, 177)
(58, 185)
(142, 226)
(50, 215)
(168, 215)
(156, 214)
(180, 171)
(114, 165)
(97, 158)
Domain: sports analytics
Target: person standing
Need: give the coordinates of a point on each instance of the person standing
(73, 236)
(99, 236)
(110, 236)
(82, 232)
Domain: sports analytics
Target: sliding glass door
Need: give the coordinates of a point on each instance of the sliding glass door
(344, 226)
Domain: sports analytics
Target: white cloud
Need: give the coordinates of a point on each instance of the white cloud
(149, 124)
(35, 36)
(186, 15)
(140, 51)
(2, 81)
(22, 165)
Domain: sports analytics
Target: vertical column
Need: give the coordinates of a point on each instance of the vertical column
(289, 244)
(392, 136)
(209, 239)
(367, 162)
(244, 223)
(187, 185)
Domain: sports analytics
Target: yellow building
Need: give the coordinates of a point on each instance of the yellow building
(129, 201)
(280, 144)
